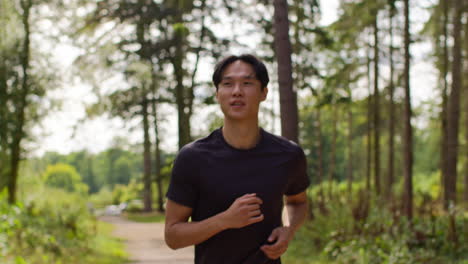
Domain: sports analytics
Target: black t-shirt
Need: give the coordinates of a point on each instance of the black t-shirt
(209, 174)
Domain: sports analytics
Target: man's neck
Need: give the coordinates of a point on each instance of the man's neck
(241, 135)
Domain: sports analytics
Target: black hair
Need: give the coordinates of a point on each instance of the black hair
(261, 72)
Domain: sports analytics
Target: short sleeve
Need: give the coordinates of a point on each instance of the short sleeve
(183, 186)
(298, 180)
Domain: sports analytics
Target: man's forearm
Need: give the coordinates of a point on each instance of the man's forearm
(297, 213)
(179, 233)
(186, 234)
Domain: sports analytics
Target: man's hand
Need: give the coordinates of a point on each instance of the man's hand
(244, 211)
(280, 238)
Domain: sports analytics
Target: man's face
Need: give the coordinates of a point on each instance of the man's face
(239, 93)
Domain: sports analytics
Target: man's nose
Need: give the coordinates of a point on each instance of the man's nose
(237, 89)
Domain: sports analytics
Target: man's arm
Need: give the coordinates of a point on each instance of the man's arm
(296, 206)
(180, 233)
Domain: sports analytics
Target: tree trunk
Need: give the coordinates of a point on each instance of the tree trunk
(331, 170)
(350, 147)
(157, 151)
(183, 94)
(288, 97)
(391, 149)
(181, 98)
(376, 108)
(407, 132)
(369, 131)
(147, 190)
(320, 151)
(454, 108)
(444, 139)
(465, 79)
(18, 134)
(5, 164)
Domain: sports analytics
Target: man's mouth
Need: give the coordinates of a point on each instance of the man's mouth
(237, 104)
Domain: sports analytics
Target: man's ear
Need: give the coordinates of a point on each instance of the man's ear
(264, 93)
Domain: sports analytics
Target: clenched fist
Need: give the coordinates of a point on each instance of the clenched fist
(244, 211)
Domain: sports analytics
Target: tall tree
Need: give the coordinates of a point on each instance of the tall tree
(407, 131)
(283, 51)
(454, 107)
(376, 106)
(444, 116)
(142, 27)
(369, 130)
(319, 144)
(465, 194)
(22, 103)
(391, 149)
(147, 182)
(334, 121)
(157, 140)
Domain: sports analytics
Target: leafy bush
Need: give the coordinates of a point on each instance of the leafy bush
(102, 198)
(125, 193)
(367, 230)
(48, 228)
(65, 177)
(54, 229)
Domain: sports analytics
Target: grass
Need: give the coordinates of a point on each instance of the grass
(153, 217)
(109, 250)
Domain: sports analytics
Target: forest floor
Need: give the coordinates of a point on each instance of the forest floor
(145, 242)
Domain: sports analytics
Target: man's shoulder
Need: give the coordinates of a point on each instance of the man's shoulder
(282, 143)
(200, 145)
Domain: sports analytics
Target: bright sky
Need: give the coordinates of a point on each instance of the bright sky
(57, 133)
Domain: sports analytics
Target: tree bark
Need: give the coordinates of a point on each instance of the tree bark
(157, 151)
(369, 131)
(350, 147)
(147, 190)
(331, 170)
(320, 151)
(181, 98)
(454, 108)
(391, 149)
(18, 134)
(376, 107)
(465, 79)
(183, 95)
(444, 139)
(4, 156)
(283, 50)
(407, 132)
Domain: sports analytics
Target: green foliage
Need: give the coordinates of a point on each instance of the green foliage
(126, 193)
(363, 232)
(65, 177)
(180, 30)
(427, 185)
(102, 198)
(56, 228)
(110, 167)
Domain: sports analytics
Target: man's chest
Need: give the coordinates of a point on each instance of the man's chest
(222, 180)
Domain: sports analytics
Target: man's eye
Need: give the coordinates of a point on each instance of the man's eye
(248, 83)
(226, 84)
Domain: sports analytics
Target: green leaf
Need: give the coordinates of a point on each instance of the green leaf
(20, 260)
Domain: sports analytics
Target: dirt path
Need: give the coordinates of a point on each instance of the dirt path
(145, 243)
